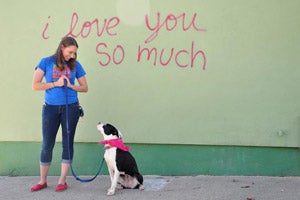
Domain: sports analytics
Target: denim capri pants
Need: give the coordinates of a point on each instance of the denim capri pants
(53, 117)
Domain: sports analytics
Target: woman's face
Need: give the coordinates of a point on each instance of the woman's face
(69, 52)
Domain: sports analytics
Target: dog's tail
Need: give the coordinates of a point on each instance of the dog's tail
(140, 178)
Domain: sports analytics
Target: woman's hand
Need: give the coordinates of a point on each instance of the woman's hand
(61, 81)
(82, 87)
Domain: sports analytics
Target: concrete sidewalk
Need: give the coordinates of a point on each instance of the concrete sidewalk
(160, 187)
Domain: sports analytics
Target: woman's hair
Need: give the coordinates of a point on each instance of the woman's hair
(65, 42)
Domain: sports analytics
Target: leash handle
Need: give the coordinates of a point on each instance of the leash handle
(65, 84)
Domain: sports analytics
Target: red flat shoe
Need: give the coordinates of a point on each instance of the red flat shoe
(38, 187)
(61, 187)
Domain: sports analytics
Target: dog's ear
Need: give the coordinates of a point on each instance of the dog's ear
(120, 134)
(110, 130)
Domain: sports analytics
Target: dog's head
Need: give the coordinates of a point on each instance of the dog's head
(108, 131)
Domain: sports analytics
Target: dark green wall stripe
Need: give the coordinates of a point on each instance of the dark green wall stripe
(22, 159)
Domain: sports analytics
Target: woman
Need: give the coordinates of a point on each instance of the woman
(56, 69)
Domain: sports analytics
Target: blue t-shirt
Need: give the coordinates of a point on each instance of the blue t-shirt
(57, 95)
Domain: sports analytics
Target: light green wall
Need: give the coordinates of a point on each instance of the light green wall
(248, 93)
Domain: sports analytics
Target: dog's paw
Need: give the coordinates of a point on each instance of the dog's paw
(110, 192)
(141, 187)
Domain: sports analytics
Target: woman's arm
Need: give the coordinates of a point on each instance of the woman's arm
(82, 87)
(37, 83)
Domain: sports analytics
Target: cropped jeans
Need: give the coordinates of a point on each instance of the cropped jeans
(52, 118)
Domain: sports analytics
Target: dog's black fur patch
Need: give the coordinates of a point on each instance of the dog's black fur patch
(126, 163)
(110, 130)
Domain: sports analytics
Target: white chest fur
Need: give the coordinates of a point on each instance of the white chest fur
(110, 157)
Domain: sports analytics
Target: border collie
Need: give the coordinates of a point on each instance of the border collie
(121, 165)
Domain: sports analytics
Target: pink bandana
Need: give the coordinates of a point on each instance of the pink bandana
(116, 143)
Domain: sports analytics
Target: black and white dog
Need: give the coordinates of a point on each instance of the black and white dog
(121, 164)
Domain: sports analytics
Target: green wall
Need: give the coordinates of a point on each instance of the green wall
(22, 159)
(211, 74)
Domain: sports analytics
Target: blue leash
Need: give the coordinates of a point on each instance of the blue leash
(68, 132)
